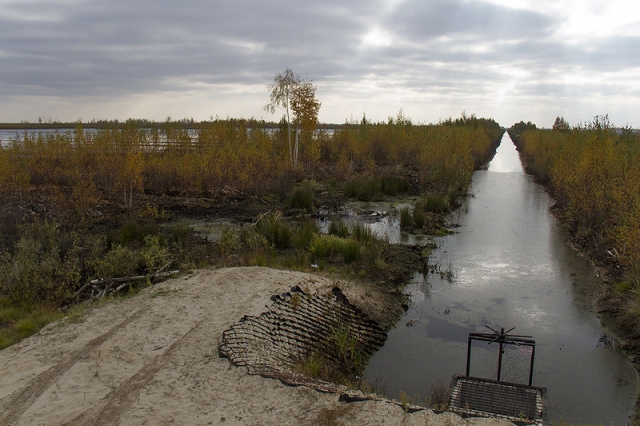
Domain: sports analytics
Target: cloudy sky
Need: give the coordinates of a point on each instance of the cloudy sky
(510, 60)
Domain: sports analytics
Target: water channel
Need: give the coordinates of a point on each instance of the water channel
(510, 266)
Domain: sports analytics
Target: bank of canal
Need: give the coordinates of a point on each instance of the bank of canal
(510, 266)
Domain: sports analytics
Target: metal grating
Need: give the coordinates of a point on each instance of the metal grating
(483, 397)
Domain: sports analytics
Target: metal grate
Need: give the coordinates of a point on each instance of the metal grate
(475, 396)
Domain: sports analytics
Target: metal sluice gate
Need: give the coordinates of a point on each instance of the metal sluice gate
(476, 396)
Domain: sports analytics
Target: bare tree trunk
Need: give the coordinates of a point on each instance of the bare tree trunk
(295, 159)
(289, 132)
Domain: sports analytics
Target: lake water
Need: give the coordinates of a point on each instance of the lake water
(510, 266)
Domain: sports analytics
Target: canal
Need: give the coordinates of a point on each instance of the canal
(508, 264)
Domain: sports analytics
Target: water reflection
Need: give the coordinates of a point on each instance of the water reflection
(506, 159)
(512, 268)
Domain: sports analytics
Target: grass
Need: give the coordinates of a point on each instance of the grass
(405, 218)
(372, 188)
(302, 197)
(18, 321)
(361, 232)
(303, 233)
(364, 189)
(277, 233)
(323, 246)
(341, 359)
(438, 396)
(339, 228)
(419, 218)
(437, 203)
(623, 286)
(133, 232)
(393, 184)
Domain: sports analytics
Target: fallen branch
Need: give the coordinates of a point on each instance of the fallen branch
(101, 287)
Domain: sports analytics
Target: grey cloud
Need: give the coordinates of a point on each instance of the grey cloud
(424, 20)
(120, 47)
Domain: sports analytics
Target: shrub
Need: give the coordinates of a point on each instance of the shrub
(179, 233)
(250, 241)
(120, 261)
(155, 254)
(45, 267)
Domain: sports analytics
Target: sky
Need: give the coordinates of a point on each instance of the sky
(510, 60)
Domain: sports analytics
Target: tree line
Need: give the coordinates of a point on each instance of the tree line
(593, 171)
(121, 162)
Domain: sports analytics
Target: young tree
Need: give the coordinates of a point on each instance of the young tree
(305, 107)
(296, 96)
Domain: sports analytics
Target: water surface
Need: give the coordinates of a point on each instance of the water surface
(510, 267)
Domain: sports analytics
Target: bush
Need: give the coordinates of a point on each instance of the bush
(45, 267)
(179, 233)
(155, 254)
(120, 261)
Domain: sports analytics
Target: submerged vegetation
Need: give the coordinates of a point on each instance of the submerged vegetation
(105, 203)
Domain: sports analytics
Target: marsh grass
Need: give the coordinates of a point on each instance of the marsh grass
(271, 226)
(361, 232)
(405, 218)
(438, 396)
(393, 184)
(339, 228)
(303, 233)
(302, 196)
(373, 188)
(419, 218)
(340, 360)
(437, 203)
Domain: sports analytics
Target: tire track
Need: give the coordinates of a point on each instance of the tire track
(19, 401)
(121, 398)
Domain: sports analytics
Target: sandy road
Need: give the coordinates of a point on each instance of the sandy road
(152, 359)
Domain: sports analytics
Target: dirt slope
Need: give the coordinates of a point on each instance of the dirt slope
(152, 359)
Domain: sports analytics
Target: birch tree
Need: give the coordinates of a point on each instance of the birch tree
(296, 97)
